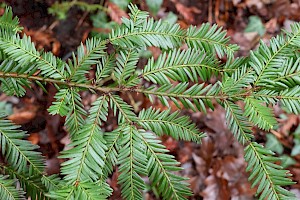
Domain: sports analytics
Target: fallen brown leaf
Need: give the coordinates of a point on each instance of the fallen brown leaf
(116, 13)
(22, 117)
(186, 12)
(185, 153)
(34, 138)
(155, 51)
(52, 166)
(272, 26)
(217, 188)
(66, 141)
(170, 143)
(292, 120)
(44, 39)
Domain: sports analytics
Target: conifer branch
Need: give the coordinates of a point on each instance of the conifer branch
(267, 77)
(8, 190)
(169, 185)
(32, 184)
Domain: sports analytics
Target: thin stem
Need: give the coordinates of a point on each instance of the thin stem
(104, 80)
(60, 82)
(118, 89)
(86, 5)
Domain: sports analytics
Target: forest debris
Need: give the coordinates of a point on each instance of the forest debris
(66, 141)
(227, 179)
(217, 188)
(206, 153)
(186, 12)
(252, 38)
(287, 24)
(196, 183)
(44, 39)
(155, 52)
(170, 143)
(272, 26)
(52, 166)
(185, 153)
(34, 138)
(24, 115)
(282, 7)
(255, 3)
(292, 120)
(116, 13)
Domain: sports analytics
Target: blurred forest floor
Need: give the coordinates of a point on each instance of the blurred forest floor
(216, 168)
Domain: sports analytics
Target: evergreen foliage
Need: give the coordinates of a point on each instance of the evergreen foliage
(269, 76)
(8, 189)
